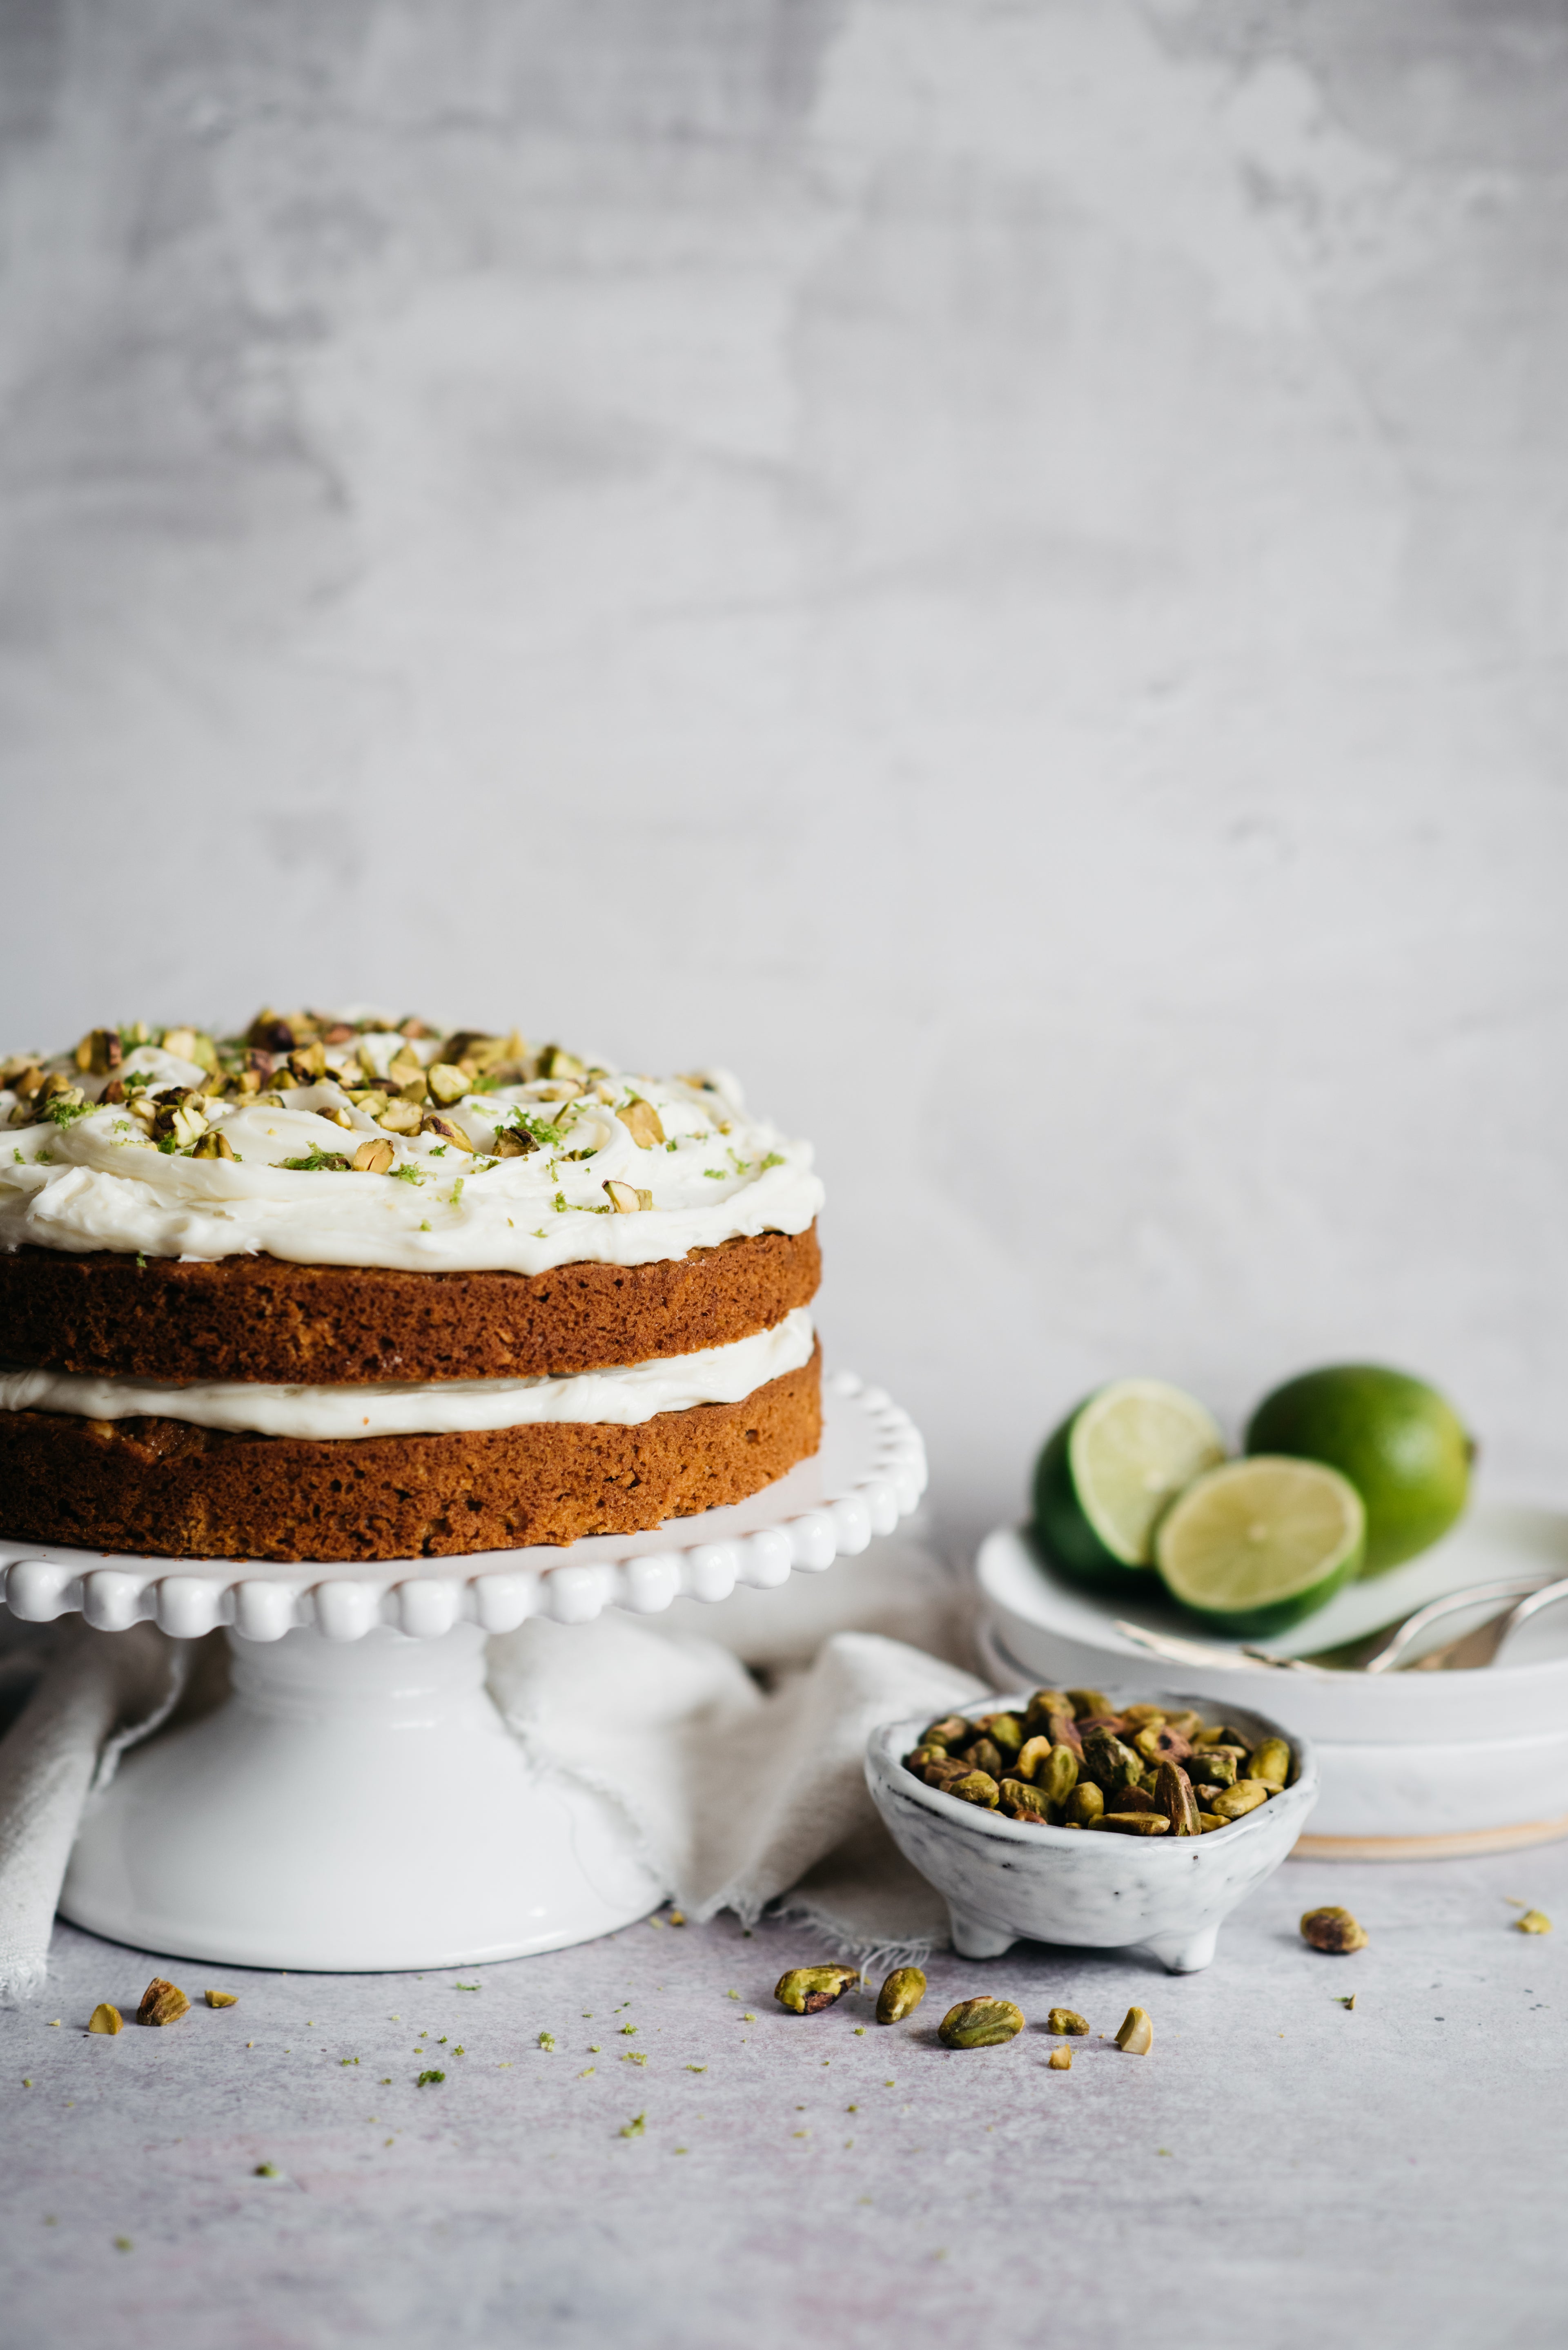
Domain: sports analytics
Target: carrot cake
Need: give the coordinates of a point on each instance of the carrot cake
(341, 1288)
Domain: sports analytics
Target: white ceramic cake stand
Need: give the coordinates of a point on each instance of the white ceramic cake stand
(357, 1802)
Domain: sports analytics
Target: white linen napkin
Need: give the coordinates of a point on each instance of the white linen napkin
(93, 1694)
(742, 1795)
(738, 1797)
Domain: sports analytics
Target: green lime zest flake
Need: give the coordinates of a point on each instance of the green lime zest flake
(539, 1129)
(636, 2127)
(714, 1174)
(774, 1158)
(457, 1986)
(410, 1175)
(61, 1112)
(571, 1207)
(429, 2076)
(267, 2170)
(317, 1162)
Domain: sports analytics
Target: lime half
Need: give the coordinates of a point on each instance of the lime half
(1112, 1468)
(1260, 1543)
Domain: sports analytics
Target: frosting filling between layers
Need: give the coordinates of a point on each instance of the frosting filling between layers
(450, 1406)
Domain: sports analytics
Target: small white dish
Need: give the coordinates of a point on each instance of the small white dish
(1004, 1881)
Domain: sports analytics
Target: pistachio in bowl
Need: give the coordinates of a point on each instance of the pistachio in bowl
(1092, 1818)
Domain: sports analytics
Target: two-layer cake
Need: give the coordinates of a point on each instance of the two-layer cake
(341, 1289)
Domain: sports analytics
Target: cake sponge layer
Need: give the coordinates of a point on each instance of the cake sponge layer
(256, 1317)
(162, 1487)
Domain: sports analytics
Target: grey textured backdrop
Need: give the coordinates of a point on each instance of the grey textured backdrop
(999, 569)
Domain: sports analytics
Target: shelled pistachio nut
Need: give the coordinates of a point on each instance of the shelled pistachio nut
(980, 2023)
(1173, 1796)
(1066, 2019)
(1135, 2036)
(162, 2003)
(1334, 1930)
(1109, 1763)
(804, 1990)
(900, 1994)
(1005, 1731)
(1022, 1802)
(1235, 1803)
(977, 1787)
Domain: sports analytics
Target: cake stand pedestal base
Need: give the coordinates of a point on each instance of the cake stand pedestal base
(353, 1806)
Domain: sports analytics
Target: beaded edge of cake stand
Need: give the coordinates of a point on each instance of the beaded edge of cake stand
(188, 1599)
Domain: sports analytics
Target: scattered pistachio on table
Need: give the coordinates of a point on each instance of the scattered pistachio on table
(900, 1994)
(1334, 1930)
(1060, 2060)
(1069, 1759)
(804, 1990)
(1534, 1921)
(980, 2023)
(1135, 2036)
(162, 2003)
(105, 2018)
(1066, 2019)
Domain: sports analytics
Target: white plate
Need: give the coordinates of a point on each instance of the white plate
(1413, 1763)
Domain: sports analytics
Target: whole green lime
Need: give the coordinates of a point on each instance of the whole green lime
(1401, 1444)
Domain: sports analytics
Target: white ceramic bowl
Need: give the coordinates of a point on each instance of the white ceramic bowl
(1004, 1881)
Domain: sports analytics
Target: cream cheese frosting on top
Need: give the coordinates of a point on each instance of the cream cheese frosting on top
(169, 1144)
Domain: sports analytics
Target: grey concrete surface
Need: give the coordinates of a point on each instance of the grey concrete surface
(995, 565)
(1279, 2169)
